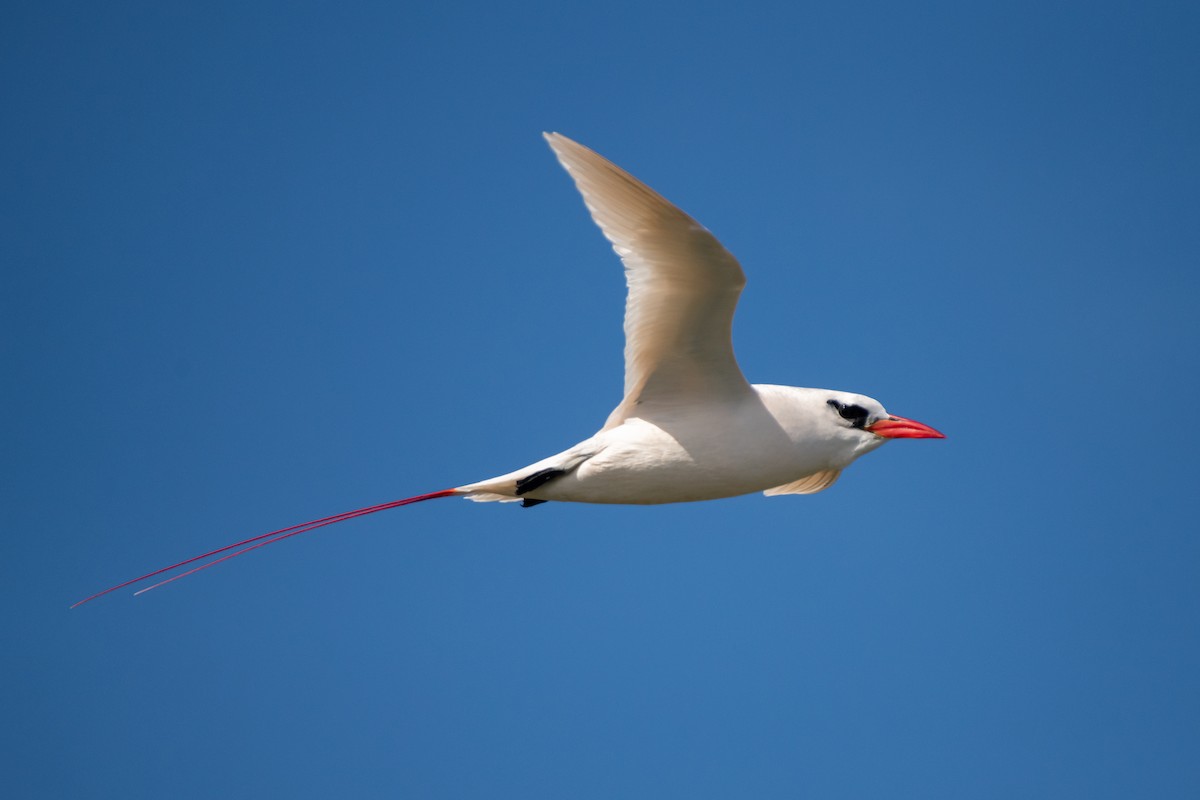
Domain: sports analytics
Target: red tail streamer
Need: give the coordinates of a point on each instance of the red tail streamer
(262, 540)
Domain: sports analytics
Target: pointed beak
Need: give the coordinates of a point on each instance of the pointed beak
(901, 428)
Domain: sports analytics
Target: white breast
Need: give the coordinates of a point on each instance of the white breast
(697, 453)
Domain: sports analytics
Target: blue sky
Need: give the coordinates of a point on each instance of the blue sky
(268, 262)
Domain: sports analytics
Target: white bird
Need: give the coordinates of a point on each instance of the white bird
(690, 427)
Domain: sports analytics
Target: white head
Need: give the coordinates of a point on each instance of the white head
(863, 422)
(838, 427)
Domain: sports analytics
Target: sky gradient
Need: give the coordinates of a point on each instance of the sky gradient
(268, 262)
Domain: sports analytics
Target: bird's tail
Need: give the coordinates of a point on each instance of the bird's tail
(262, 540)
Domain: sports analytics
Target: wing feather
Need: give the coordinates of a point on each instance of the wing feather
(683, 288)
(809, 484)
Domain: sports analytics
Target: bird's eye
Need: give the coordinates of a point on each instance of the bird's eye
(855, 415)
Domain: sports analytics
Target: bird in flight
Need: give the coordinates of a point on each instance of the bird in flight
(689, 427)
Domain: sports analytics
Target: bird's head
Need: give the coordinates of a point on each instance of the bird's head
(863, 421)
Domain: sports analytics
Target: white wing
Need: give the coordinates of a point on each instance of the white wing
(683, 287)
(810, 484)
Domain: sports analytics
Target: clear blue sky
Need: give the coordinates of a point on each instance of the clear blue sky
(268, 262)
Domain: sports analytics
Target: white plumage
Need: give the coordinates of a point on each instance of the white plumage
(690, 427)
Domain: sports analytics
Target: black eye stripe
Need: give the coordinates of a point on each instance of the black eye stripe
(853, 413)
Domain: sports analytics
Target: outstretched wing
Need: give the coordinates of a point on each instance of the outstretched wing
(683, 288)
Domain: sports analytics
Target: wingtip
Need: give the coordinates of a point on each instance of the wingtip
(558, 141)
(560, 145)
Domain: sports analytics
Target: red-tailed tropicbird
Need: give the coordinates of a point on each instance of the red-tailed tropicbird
(689, 427)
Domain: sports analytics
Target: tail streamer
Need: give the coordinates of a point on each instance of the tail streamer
(255, 542)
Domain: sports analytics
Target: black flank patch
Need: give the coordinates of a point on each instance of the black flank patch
(539, 478)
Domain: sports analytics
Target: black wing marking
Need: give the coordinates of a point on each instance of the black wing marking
(539, 478)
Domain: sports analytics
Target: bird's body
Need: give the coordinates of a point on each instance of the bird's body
(760, 441)
(690, 427)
